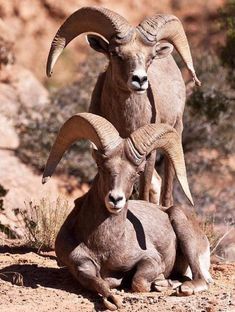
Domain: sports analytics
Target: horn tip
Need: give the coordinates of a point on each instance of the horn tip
(197, 82)
(189, 196)
(191, 200)
(194, 76)
(49, 73)
(45, 179)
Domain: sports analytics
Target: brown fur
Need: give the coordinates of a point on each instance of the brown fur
(142, 83)
(127, 110)
(101, 249)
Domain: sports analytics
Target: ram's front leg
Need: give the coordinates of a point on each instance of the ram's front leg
(150, 183)
(169, 172)
(87, 275)
(147, 272)
(168, 181)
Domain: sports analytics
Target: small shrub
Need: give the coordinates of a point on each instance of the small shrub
(227, 22)
(3, 192)
(208, 226)
(210, 111)
(42, 222)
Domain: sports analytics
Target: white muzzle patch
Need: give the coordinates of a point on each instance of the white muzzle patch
(115, 201)
(139, 81)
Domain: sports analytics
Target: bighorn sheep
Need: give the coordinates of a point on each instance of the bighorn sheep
(142, 83)
(106, 239)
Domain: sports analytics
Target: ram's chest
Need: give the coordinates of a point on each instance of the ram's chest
(111, 250)
(129, 114)
(118, 260)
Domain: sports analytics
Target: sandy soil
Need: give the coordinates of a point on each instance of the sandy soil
(42, 286)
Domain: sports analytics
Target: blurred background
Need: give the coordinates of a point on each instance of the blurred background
(33, 107)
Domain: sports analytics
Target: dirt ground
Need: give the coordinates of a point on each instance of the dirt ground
(43, 286)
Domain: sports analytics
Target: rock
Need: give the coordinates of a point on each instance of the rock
(6, 44)
(21, 91)
(31, 93)
(23, 187)
(8, 135)
(9, 101)
(22, 97)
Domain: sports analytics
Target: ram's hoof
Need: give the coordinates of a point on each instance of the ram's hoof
(186, 289)
(164, 284)
(191, 287)
(112, 302)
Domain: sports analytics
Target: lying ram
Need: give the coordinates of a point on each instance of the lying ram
(107, 238)
(142, 83)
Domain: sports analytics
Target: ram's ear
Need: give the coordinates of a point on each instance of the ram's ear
(163, 49)
(98, 44)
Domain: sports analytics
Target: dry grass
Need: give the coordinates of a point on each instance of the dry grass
(208, 226)
(43, 220)
(215, 238)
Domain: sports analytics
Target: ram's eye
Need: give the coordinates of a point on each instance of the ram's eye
(141, 168)
(150, 59)
(139, 172)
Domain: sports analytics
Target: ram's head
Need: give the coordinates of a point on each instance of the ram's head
(130, 49)
(119, 161)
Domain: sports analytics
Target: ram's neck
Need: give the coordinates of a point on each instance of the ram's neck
(99, 228)
(126, 110)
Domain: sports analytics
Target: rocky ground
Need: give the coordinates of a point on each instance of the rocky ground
(31, 281)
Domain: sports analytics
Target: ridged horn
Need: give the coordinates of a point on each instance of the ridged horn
(161, 136)
(81, 126)
(88, 19)
(168, 27)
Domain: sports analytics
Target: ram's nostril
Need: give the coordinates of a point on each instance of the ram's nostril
(115, 199)
(143, 79)
(119, 198)
(135, 78)
(140, 79)
(111, 198)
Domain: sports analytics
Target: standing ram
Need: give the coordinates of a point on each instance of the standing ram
(107, 238)
(142, 83)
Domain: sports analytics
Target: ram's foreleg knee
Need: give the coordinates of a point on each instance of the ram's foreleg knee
(87, 275)
(146, 273)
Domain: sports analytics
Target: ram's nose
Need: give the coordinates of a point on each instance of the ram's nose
(139, 81)
(115, 201)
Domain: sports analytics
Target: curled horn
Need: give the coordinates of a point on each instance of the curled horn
(88, 19)
(81, 126)
(160, 136)
(168, 27)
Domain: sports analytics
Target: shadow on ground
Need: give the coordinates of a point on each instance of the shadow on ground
(35, 276)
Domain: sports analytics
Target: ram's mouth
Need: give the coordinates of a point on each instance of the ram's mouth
(114, 210)
(140, 91)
